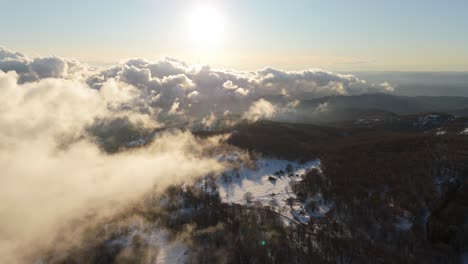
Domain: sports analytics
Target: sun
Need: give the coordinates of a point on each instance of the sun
(206, 26)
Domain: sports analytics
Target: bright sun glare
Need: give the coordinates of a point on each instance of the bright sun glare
(206, 26)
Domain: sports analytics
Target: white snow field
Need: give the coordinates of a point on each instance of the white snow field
(268, 183)
(167, 251)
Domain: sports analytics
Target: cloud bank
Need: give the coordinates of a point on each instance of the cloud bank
(261, 109)
(53, 169)
(175, 91)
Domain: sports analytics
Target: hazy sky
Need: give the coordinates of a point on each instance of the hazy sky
(397, 35)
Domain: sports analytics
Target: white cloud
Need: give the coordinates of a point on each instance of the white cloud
(209, 121)
(193, 95)
(312, 83)
(175, 109)
(53, 172)
(321, 108)
(51, 67)
(242, 91)
(260, 109)
(39, 68)
(174, 88)
(230, 86)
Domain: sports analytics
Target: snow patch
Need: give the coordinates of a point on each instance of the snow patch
(464, 258)
(136, 143)
(363, 121)
(404, 222)
(167, 251)
(428, 120)
(268, 184)
(464, 132)
(320, 207)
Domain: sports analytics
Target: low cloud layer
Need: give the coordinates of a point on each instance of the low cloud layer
(59, 119)
(175, 91)
(261, 109)
(53, 171)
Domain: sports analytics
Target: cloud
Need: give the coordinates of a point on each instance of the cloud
(193, 86)
(57, 186)
(230, 86)
(261, 109)
(51, 67)
(175, 109)
(13, 61)
(52, 169)
(314, 83)
(209, 121)
(175, 91)
(35, 69)
(321, 108)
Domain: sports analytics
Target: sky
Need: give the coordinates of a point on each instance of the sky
(57, 114)
(337, 35)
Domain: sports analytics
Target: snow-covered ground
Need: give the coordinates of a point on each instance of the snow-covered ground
(363, 121)
(165, 250)
(136, 143)
(464, 258)
(403, 223)
(169, 252)
(268, 183)
(428, 121)
(464, 132)
(322, 207)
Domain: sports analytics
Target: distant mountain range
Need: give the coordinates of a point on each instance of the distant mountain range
(341, 108)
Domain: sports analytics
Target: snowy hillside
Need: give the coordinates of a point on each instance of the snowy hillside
(268, 183)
